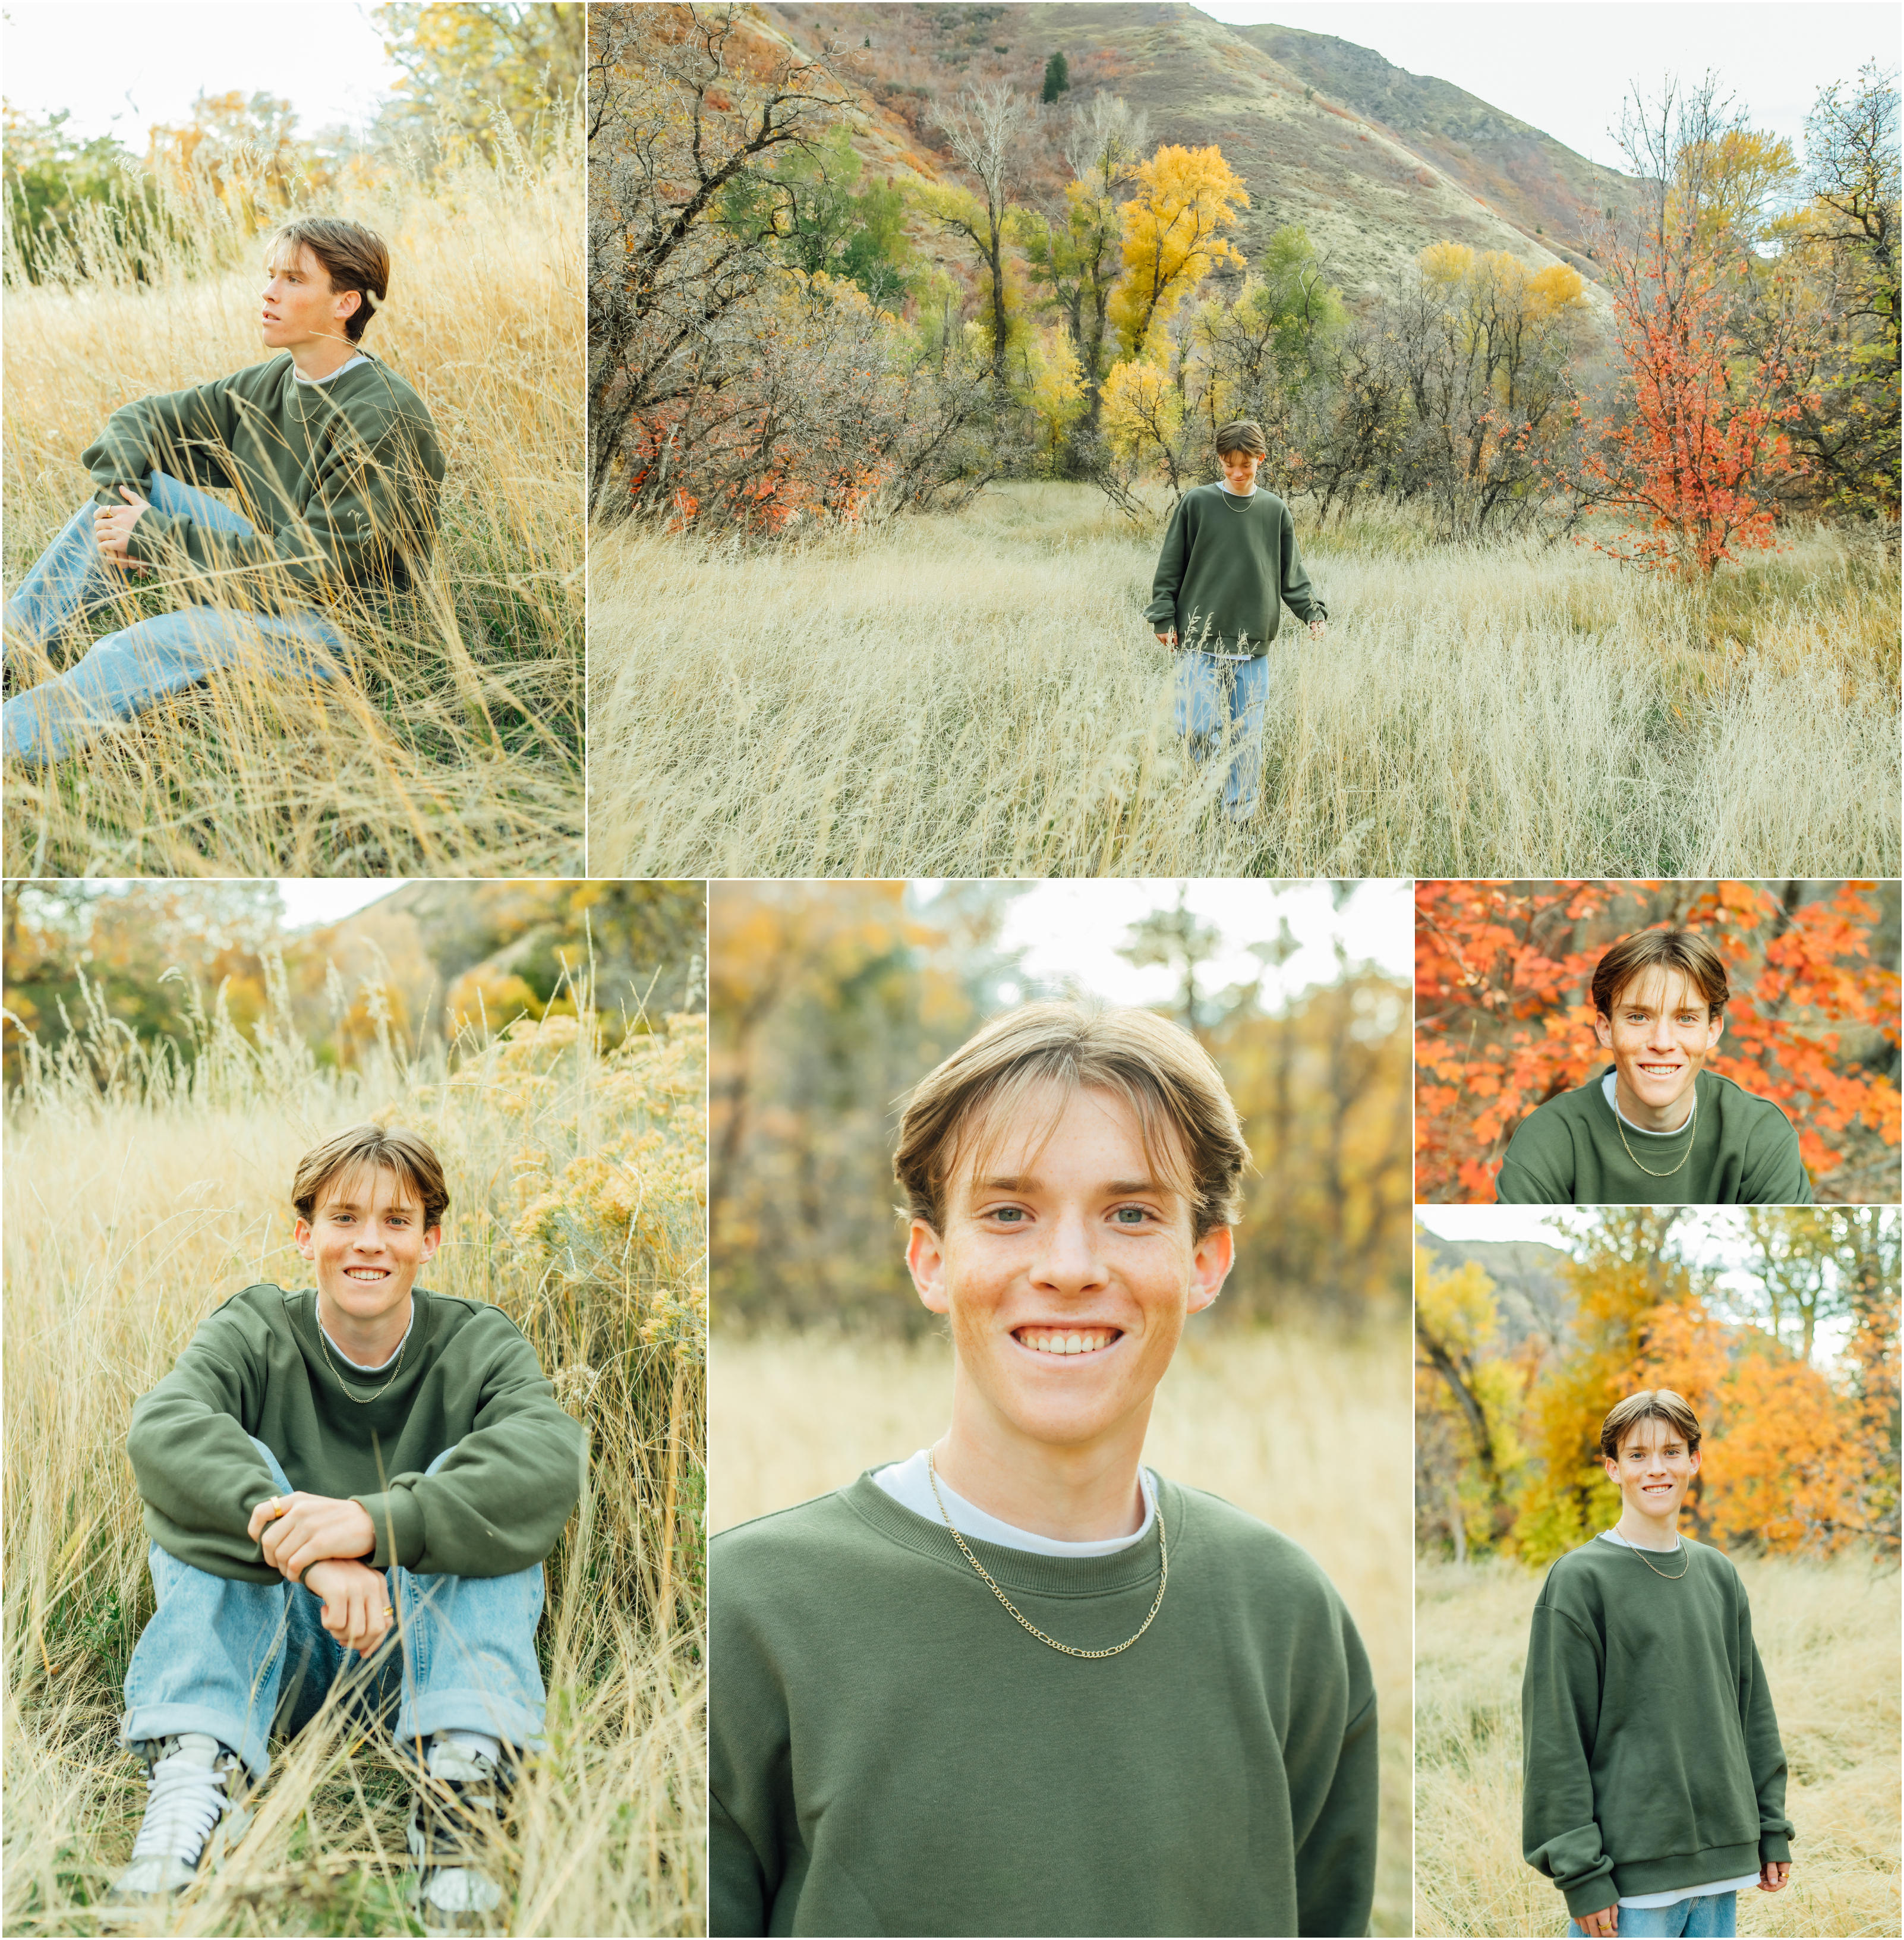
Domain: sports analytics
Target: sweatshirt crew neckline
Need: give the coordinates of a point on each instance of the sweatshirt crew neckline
(909, 1483)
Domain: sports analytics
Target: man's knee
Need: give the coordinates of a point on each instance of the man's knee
(276, 1467)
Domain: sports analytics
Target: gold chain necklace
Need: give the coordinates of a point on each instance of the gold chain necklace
(1246, 497)
(331, 1354)
(1654, 1567)
(1692, 1122)
(1163, 1579)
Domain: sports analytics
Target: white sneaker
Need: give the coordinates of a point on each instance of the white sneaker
(190, 1776)
(458, 1806)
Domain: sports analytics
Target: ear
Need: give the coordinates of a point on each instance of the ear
(1612, 1468)
(300, 1235)
(1603, 1029)
(432, 1239)
(348, 304)
(1210, 1265)
(1692, 1463)
(925, 1260)
(1715, 1030)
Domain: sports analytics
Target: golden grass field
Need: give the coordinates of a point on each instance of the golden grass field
(132, 1207)
(458, 749)
(1828, 1632)
(980, 695)
(1313, 1436)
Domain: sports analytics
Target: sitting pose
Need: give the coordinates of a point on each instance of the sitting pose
(355, 1488)
(1653, 1783)
(1656, 1127)
(335, 459)
(1015, 1682)
(1228, 566)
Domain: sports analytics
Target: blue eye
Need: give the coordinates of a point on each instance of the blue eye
(1130, 1215)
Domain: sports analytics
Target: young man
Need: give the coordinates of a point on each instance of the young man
(1228, 566)
(1654, 1781)
(352, 1488)
(335, 460)
(1656, 1127)
(1015, 1683)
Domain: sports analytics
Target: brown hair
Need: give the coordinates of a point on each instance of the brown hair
(1242, 435)
(1649, 1404)
(354, 258)
(1681, 949)
(1191, 1137)
(417, 1166)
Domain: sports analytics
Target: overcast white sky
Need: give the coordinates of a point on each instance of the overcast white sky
(1072, 929)
(1566, 64)
(121, 65)
(308, 901)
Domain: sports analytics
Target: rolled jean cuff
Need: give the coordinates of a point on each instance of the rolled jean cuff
(148, 1722)
(515, 1723)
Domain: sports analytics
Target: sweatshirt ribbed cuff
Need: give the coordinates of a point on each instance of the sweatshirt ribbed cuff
(1594, 1895)
(1774, 1848)
(395, 1512)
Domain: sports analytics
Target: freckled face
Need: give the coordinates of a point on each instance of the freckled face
(299, 305)
(366, 1238)
(1655, 1469)
(1067, 1272)
(1661, 1033)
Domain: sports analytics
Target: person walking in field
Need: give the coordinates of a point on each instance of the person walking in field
(335, 460)
(1656, 1127)
(1016, 1682)
(1229, 566)
(1653, 1778)
(351, 1492)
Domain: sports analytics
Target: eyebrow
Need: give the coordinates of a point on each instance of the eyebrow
(1115, 1188)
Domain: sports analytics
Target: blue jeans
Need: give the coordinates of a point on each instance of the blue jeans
(461, 1656)
(1212, 695)
(1711, 1916)
(126, 672)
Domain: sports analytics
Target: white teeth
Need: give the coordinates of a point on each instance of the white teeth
(1042, 1340)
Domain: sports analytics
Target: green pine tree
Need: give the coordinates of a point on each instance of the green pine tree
(1057, 78)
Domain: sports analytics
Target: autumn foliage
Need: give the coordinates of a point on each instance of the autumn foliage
(1504, 1020)
(1799, 1449)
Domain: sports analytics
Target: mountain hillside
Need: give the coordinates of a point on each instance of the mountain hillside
(1530, 1288)
(1374, 162)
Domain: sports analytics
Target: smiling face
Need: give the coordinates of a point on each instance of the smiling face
(299, 305)
(1661, 1032)
(1239, 470)
(1067, 1271)
(366, 1238)
(1655, 1469)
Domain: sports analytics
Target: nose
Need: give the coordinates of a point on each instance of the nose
(1069, 1261)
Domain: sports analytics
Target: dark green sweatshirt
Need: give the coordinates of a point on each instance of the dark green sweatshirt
(1569, 1153)
(341, 479)
(1650, 1753)
(468, 1380)
(1227, 566)
(892, 1754)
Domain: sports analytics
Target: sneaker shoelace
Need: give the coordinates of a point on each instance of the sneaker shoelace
(185, 1803)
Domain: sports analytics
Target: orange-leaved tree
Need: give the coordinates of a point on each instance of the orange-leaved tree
(1690, 459)
(1504, 1020)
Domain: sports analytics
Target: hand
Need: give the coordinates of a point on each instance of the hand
(356, 1602)
(295, 1531)
(112, 527)
(1773, 1875)
(1169, 639)
(1606, 1921)
(1316, 629)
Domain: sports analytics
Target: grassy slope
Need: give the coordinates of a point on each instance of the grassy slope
(1827, 1633)
(981, 696)
(1260, 1419)
(458, 751)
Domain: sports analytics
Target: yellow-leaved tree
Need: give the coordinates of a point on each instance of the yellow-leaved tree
(1173, 238)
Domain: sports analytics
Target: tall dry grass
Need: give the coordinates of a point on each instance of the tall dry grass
(136, 1197)
(1309, 1434)
(980, 695)
(1828, 1632)
(456, 749)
